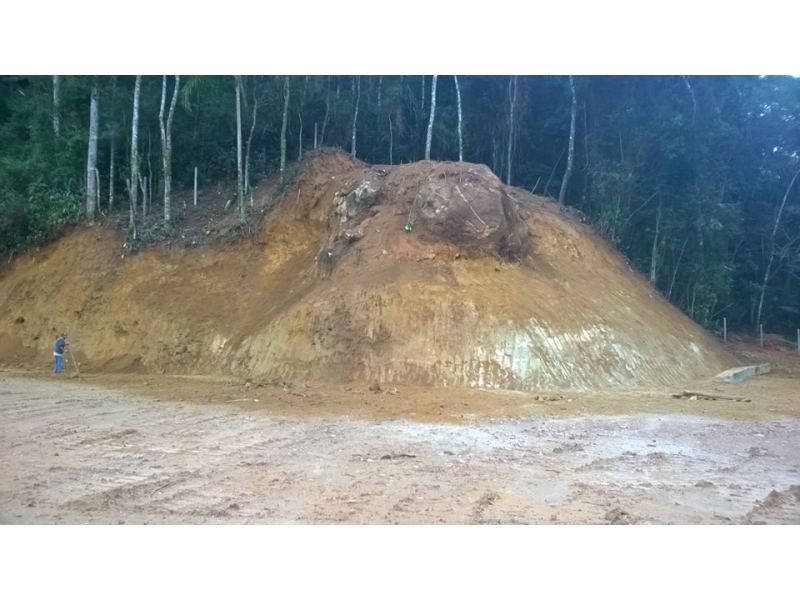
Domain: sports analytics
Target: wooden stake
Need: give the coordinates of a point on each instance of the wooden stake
(74, 362)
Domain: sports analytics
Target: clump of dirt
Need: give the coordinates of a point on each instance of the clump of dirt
(426, 273)
(777, 507)
(617, 516)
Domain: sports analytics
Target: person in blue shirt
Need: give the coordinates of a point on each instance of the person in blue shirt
(58, 352)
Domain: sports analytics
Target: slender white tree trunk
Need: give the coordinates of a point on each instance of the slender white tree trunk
(380, 84)
(166, 142)
(145, 203)
(97, 188)
(430, 121)
(168, 170)
(300, 135)
(134, 179)
(148, 197)
(675, 270)
(571, 152)
(300, 118)
(355, 115)
(91, 160)
(460, 138)
(654, 252)
(111, 179)
(57, 106)
(512, 101)
(239, 190)
(324, 121)
(283, 126)
(315, 135)
(772, 249)
(494, 155)
(163, 127)
(247, 187)
(391, 141)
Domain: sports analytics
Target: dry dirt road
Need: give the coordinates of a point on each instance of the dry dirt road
(76, 452)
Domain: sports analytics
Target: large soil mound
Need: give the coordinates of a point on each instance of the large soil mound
(491, 287)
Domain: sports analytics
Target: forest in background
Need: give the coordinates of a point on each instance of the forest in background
(693, 178)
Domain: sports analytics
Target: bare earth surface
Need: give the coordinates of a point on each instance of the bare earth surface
(101, 450)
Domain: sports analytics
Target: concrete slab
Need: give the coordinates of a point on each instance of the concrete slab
(739, 374)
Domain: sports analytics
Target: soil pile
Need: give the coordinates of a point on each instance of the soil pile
(427, 273)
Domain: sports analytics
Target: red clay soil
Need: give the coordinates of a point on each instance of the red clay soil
(492, 288)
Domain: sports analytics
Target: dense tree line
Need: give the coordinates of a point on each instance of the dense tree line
(693, 178)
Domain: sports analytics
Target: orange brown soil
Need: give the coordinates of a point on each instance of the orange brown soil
(493, 289)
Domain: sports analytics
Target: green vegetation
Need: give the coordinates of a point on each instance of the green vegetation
(688, 176)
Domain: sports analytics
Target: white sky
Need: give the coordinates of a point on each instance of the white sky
(408, 37)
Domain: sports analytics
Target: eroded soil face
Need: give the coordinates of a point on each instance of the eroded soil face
(193, 450)
(492, 288)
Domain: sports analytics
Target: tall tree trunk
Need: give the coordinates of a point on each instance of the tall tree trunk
(166, 142)
(772, 250)
(146, 202)
(654, 252)
(460, 138)
(571, 153)
(111, 178)
(675, 270)
(325, 120)
(300, 135)
(300, 106)
(429, 138)
(380, 84)
(57, 106)
(355, 115)
(97, 188)
(134, 179)
(163, 128)
(91, 160)
(512, 102)
(283, 126)
(247, 186)
(391, 140)
(239, 188)
(495, 160)
(170, 119)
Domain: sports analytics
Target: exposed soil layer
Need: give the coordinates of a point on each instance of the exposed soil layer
(79, 453)
(491, 288)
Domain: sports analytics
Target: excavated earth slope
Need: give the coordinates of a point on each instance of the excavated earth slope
(492, 287)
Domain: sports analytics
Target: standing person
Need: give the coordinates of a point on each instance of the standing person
(58, 352)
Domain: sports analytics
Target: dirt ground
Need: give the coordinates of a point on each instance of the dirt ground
(170, 449)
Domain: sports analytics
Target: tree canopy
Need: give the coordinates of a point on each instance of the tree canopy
(688, 175)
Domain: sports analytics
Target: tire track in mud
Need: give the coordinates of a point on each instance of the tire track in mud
(74, 453)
